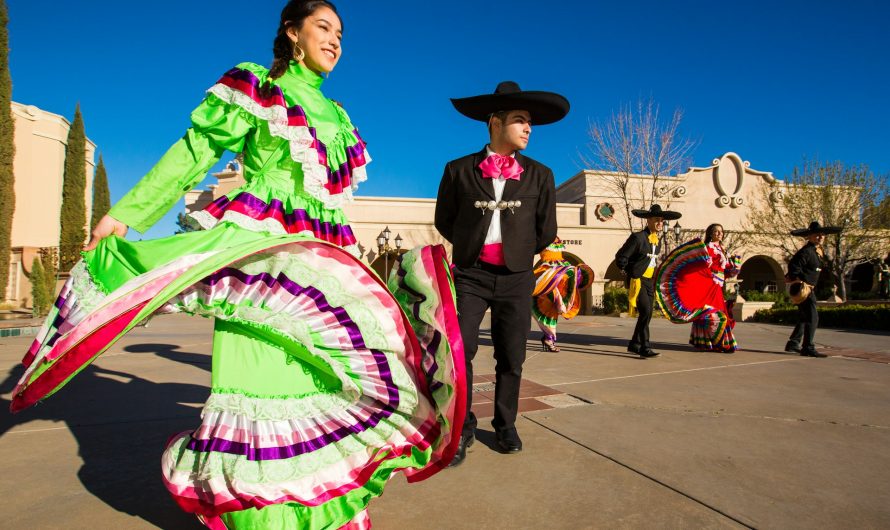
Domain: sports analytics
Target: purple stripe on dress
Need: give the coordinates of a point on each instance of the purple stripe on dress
(58, 324)
(355, 336)
(433, 344)
(289, 451)
(297, 110)
(354, 154)
(293, 221)
(355, 157)
(60, 301)
(246, 76)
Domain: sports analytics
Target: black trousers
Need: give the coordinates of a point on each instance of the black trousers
(807, 320)
(644, 311)
(508, 294)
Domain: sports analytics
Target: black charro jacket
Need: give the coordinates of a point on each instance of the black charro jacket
(805, 265)
(525, 231)
(633, 256)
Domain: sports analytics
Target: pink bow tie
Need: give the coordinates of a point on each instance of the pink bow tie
(496, 165)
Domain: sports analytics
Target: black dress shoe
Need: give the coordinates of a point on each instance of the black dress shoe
(646, 353)
(466, 440)
(633, 348)
(508, 441)
(792, 347)
(812, 353)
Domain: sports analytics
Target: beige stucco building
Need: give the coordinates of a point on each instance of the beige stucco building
(39, 165)
(592, 221)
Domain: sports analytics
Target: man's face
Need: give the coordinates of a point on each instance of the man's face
(655, 224)
(513, 132)
(816, 239)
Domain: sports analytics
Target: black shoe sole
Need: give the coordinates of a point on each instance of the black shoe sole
(508, 450)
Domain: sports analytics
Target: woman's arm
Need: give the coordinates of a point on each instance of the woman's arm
(217, 126)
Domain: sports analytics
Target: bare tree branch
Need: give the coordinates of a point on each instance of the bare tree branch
(834, 195)
(635, 155)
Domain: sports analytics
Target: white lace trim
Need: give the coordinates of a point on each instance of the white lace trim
(279, 409)
(270, 225)
(88, 294)
(315, 174)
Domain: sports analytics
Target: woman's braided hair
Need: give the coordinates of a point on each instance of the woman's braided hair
(293, 15)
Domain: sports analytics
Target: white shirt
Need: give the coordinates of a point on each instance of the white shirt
(494, 229)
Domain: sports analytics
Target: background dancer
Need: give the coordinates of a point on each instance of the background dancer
(558, 286)
(638, 258)
(803, 275)
(689, 286)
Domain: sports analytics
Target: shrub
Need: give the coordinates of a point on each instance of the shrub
(40, 299)
(781, 299)
(845, 316)
(861, 295)
(615, 300)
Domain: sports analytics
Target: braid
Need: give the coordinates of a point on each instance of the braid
(282, 51)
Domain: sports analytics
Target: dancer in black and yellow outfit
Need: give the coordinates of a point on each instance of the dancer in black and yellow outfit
(638, 259)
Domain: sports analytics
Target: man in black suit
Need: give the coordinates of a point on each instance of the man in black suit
(638, 258)
(497, 208)
(803, 274)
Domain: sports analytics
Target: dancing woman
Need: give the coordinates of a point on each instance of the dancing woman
(322, 385)
(558, 286)
(690, 289)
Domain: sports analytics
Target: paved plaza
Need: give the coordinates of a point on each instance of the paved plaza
(759, 438)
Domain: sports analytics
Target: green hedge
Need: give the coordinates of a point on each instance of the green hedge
(846, 316)
(781, 299)
(615, 300)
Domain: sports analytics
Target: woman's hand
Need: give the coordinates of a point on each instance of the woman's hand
(105, 227)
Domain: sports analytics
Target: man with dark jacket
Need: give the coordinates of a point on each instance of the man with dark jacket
(638, 258)
(498, 209)
(803, 274)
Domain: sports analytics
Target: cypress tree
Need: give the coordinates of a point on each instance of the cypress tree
(73, 217)
(184, 224)
(50, 261)
(7, 152)
(40, 299)
(101, 196)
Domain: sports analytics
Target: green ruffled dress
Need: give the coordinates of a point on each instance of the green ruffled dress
(324, 379)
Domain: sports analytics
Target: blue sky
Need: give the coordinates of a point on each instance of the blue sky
(771, 81)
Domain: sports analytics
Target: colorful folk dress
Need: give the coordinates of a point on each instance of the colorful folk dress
(324, 379)
(690, 289)
(558, 286)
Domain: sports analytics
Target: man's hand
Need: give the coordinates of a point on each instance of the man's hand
(105, 227)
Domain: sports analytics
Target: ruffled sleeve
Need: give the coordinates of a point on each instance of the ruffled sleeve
(217, 126)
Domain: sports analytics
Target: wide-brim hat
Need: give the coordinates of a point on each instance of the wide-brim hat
(553, 252)
(656, 211)
(544, 107)
(816, 228)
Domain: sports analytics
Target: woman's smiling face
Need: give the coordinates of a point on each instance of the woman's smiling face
(319, 37)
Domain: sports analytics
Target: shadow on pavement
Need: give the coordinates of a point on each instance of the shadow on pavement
(121, 423)
(171, 352)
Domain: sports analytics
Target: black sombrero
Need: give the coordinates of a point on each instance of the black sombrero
(544, 107)
(656, 211)
(816, 228)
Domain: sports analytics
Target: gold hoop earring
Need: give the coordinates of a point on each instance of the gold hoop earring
(299, 54)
